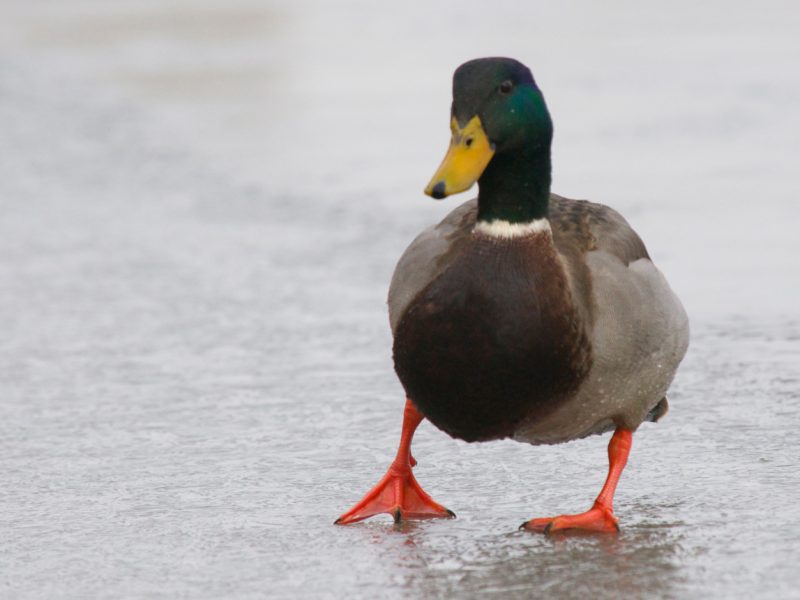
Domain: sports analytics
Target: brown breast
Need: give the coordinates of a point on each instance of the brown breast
(494, 339)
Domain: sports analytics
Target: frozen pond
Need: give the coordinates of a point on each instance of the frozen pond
(201, 204)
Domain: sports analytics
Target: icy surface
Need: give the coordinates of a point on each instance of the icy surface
(201, 204)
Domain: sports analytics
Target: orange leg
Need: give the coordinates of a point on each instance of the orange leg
(601, 516)
(398, 493)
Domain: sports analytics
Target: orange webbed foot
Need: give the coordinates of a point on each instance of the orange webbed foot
(599, 518)
(399, 495)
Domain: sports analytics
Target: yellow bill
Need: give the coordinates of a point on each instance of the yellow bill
(469, 153)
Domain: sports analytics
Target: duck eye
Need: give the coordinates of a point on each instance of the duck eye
(468, 142)
(506, 86)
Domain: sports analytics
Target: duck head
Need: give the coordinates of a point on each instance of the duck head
(498, 116)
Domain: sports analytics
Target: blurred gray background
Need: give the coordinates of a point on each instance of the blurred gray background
(201, 204)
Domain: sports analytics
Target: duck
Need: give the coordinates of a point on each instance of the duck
(523, 314)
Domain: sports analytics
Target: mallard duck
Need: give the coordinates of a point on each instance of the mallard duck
(523, 314)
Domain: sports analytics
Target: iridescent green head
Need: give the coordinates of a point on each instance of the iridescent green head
(501, 138)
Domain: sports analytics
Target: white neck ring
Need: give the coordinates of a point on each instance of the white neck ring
(507, 230)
